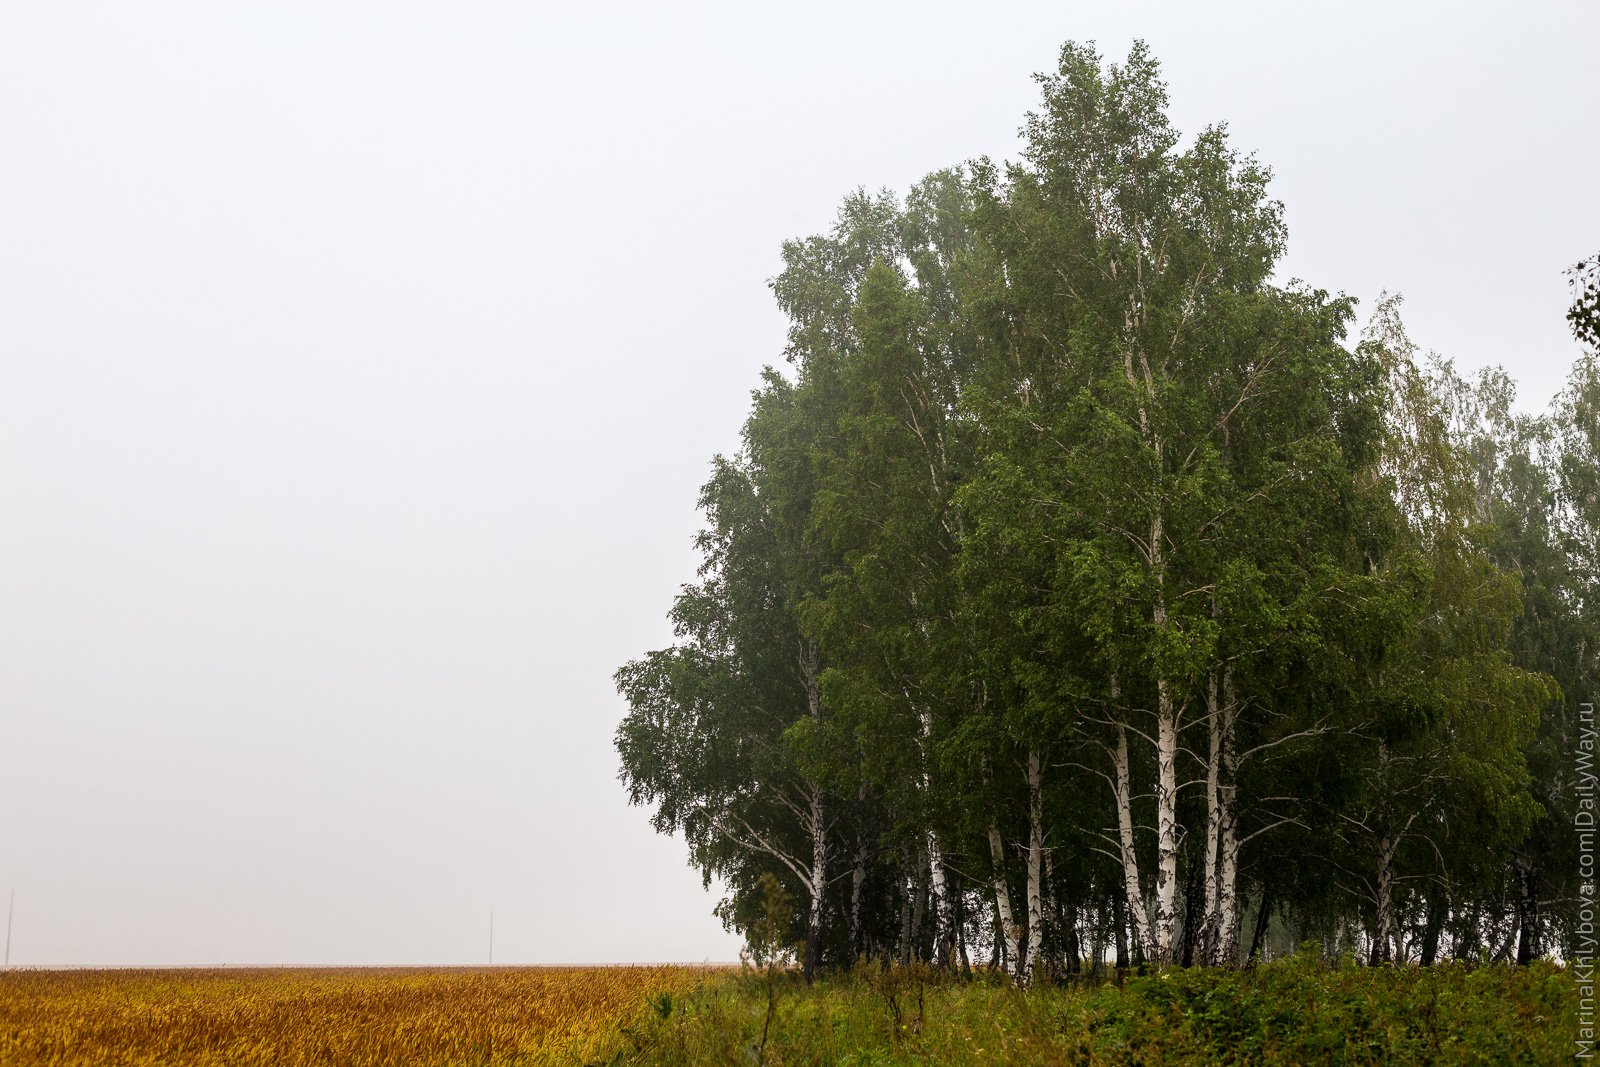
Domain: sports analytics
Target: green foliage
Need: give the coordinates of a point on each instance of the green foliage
(1294, 1012)
(1078, 591)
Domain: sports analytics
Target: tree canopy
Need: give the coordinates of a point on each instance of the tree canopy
(1076, 573)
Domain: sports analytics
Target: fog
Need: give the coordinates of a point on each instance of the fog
(359, 364)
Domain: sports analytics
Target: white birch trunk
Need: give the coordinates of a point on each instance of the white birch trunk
(1163, 937)
(819, 882)
(810, 668)
(1010, 938)
(1166, 761)
(1166, 824)
(1030, 965)
(944, 916)
(1138, 919)
(1384, 937)
(1227, 924)
(1227, 951)
(1209, 941)
(944, 928)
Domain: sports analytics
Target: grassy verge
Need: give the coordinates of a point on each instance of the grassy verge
(1297, 1011)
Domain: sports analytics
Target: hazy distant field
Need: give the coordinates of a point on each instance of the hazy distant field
(323, 1016)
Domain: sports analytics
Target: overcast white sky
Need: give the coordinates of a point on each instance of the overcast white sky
(359, 363)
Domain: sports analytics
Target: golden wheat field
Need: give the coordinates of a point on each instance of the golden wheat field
(544, 1015)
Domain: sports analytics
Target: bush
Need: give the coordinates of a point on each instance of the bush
(1295, 1011)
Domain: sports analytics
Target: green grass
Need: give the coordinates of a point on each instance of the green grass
(1297, 1011)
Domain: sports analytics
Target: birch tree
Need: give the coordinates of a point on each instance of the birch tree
(726, 725)
(888, 508)
(1444, 711)
(1135, 334)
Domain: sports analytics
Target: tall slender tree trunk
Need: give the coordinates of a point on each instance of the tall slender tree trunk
(903, 946)
(1528, 947)
(1166, 918)
(1010, 934)
(1138, 921)
(1063, 915)
(1258, 939)
(1434, 927)
(810, 669)
(1471, 940)
(1166, 922)
(1035, 866)
(1384, 935)
(819, 883)
(1213, 870)
(997, 962)
(1120, 928)
(919, 896)
(1101, 935)
(1073, 949)
(1226, 946)
(944, 920)
(1193, 916)
(1226, 926)
(1166, 766)
(944, 929)
(858, 897)
(1142, 382)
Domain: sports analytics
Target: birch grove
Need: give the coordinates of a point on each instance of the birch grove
(1081, 596)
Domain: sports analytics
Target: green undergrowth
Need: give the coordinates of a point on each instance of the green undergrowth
(1297, 1011)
